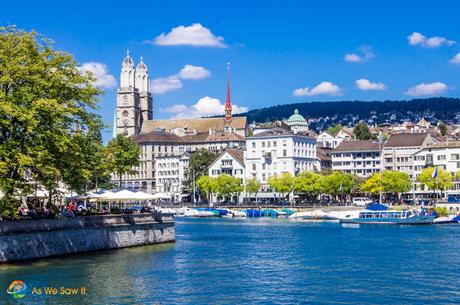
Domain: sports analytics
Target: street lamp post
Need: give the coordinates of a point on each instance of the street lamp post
(381, 139)
(193, 185)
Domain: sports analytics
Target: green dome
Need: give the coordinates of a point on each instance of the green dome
(296, 118)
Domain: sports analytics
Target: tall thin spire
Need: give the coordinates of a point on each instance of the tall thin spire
(228, 103)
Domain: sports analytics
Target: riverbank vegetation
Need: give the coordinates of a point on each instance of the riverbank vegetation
(311, 185)
(50, 134)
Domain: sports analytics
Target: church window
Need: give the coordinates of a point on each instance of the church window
(125, 100)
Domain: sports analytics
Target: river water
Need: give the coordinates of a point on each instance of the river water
(258, 261)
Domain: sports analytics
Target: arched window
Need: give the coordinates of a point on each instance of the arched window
(125, 100)
(125, 115)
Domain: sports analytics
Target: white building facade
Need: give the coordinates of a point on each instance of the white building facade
(444, 155)
(230, 162)
(278, 151)
(398, 152)
(171, 175)
(325, 139)
(361, 158)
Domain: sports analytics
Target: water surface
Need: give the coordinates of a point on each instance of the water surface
(261, 261)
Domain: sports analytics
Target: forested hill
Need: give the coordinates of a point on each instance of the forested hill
(439, 107)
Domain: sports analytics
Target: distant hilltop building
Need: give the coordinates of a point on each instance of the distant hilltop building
(297, 122)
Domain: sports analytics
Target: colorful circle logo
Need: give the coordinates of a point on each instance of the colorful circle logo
(16, 289)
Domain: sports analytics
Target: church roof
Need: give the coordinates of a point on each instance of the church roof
(202, 137)
(199, 125)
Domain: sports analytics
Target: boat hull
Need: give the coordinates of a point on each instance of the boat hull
(418, 220)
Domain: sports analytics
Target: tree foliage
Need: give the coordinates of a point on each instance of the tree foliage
(390, 182)
(442, 128)
(442, 182)
(121, 155)
(224, 185)
(334, 130)
(45, 115)
(199, 162)
(227, 185)
(331, 183)
(283, 184)
(362, 132)
(309, 183)
(252, 186)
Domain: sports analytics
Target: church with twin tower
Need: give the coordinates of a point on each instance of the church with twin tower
(134, 100)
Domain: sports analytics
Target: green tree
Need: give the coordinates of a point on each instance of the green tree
(334, 130)
(331, 183)
(207, 186)
(442, 182)
(283, 184)
(457, 176)
(121, 155)
(309, 183)
(44, 97)
(442, 128)
(252, 186)
(198, 165)
(362, 132)
(390, 182)
(227, 185)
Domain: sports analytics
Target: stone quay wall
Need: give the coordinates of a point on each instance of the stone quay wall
(34, 239)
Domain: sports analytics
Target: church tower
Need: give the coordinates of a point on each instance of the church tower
(129, 114)
(143, 86)
(228, 103)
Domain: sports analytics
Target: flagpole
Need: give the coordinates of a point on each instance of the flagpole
(435, 175)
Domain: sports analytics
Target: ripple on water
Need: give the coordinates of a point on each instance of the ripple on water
(262, 261)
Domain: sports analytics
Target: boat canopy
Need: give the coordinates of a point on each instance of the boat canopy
(376, 207)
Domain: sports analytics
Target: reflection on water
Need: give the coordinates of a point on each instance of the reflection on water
(259, 261)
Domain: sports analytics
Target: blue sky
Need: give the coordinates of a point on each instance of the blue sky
(274, 47)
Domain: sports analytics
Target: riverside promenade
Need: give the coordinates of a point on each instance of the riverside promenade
(34, 239)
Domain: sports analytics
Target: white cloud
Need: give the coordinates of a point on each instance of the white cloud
(366, 54)
(326, 88)
(455, 59)
(417, 38)
(352, 58)
(194, 35)
(206, 106)
(100, 72)
(165, 84)
(427, 89)
(365, 84)
(193, 72)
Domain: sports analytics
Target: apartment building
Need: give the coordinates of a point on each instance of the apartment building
(361, 158)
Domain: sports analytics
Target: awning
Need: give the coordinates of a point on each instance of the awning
(161, 196)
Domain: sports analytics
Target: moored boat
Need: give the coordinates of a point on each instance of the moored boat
(200, 212)
(253, 213)
(410, 217)
(445, 219)
(311, 215)
(270, 213)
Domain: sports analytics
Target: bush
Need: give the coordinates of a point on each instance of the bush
(441, 211)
